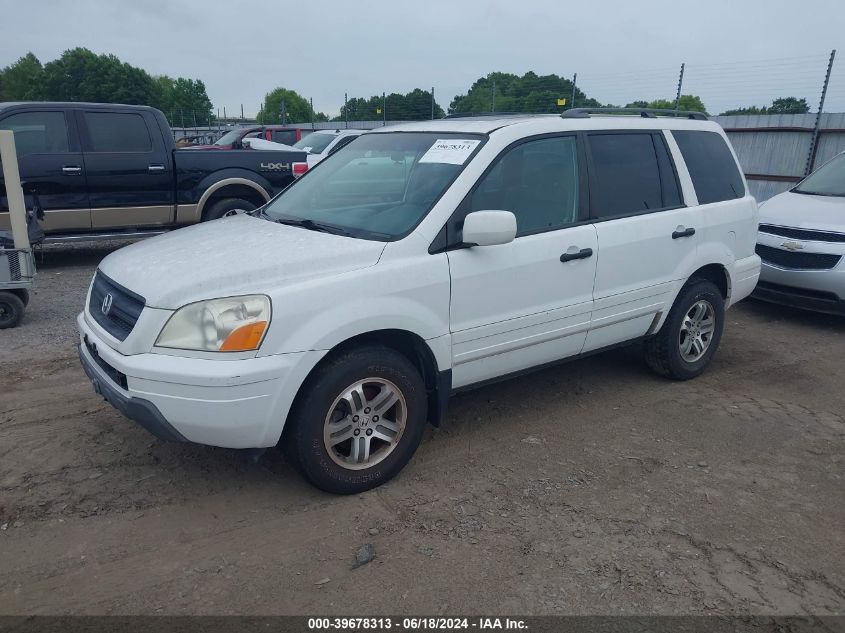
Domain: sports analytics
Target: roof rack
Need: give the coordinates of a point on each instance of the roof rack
(646, 113)
(463, 115)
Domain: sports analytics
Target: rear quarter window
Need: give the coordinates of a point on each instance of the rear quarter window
(711, 166)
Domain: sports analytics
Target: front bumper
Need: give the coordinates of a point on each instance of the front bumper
(230, 403)
(798, 297)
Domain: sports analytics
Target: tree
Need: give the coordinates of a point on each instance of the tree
(184, 101)
(297, 109)
(506, 92)
(81, 75)
(689, 103)
(782, 105)
(412, 106)
(22, 80)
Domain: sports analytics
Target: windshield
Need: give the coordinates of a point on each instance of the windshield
(827, 180)
(315, 142)
(378, 187)
(230, 137)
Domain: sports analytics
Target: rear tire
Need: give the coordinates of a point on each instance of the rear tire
(228, 207)
(685, 345)
(358, 420)
(11, 310)
(23, 295)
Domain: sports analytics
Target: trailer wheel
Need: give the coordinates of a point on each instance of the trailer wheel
(11, 310)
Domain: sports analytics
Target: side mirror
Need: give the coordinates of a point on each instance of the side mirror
(489, 228)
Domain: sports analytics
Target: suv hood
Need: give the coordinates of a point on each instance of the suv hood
(232, 256)
(805, 211)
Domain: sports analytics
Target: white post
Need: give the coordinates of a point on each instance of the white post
(14, 193)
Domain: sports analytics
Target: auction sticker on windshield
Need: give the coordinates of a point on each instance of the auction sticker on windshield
(453, 151)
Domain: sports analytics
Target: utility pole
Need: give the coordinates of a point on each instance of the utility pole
(432, 103)
(224, 113)
(282, 113)
(574, 81)
(811, 155)
(384, 108)
(680, 85)
(346, 108)
(493, 102)
(242, 112)
(311, 101)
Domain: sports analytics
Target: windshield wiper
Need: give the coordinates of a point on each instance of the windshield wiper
(311, 225)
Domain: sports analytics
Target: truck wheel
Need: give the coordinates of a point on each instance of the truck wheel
(358, 420)
(227, 207)
(23, 294)
(685, 345)
(11, 310)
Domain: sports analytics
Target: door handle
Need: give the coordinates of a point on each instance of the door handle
(584, 253)
(683, 233)
(71, 170)
(155, 168)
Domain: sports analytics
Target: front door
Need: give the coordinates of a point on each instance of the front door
(526, 303)
(129, 171)
(50, 164)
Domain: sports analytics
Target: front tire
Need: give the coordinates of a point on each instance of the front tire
(11, 310)
(685, 345)
(358, 420)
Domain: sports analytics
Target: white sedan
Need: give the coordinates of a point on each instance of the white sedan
(324, 142)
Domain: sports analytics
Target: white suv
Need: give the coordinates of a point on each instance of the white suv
(423, 259)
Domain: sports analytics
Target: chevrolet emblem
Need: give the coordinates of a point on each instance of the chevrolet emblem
(792, 246)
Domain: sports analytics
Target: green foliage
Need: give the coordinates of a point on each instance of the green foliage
(512, 93)
(22, 80)
(184, 101)
(297, 109)
(81, 75)
(783, 105)
(413, 106)
(690, 103)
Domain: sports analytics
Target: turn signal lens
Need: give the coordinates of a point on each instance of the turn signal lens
(245, 338)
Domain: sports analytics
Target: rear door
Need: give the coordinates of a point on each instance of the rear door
(647, 237)
(130, 179)
(525, 303)
(50, 160)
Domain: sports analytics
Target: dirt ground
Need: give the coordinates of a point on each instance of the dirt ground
(593, 487)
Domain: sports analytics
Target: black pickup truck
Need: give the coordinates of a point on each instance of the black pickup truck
(104, 170)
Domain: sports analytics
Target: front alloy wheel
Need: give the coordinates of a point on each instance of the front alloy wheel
(365, 423)
(357, 420)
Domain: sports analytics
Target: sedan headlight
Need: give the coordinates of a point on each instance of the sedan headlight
(234, 324)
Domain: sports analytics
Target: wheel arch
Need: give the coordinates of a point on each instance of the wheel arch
(235, 187)
(438, 383)
(718, 274)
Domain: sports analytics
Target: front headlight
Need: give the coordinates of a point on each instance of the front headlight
(234, 324)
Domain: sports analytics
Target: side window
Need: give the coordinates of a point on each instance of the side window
(631, 173)
(286, 137)
(343, 142)
(711, 166)
(118, 132)
(38, 132)
(537, 181)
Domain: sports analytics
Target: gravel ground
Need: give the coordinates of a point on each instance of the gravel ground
(593, 487)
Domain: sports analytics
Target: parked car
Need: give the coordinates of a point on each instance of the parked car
(276, 133)
(102, 168)
(802, 242)
(324, 142)
(423, 259)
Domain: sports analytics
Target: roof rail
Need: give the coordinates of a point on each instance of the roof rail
(647, 113)
(462, 115)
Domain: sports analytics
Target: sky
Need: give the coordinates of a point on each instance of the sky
(737, 52)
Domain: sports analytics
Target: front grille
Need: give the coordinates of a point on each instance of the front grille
(125, 307)
(802, 234)
(797, 260)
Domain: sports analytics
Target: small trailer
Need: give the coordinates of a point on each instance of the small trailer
(17, 263)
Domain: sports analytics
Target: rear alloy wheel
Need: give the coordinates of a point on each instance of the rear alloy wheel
(685, 345)
(229, 207)
(11, 310)
(358, 420)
